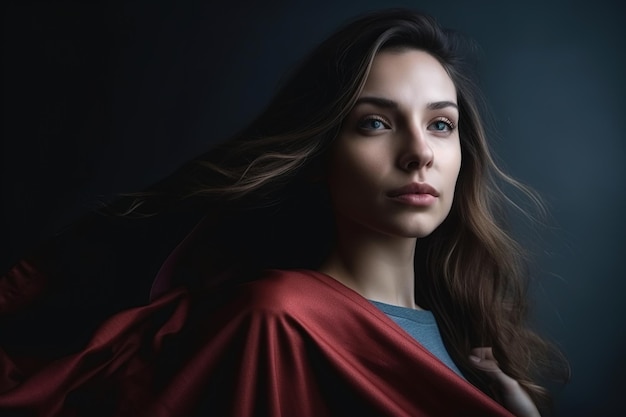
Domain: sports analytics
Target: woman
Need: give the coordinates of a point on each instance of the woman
(350, 259)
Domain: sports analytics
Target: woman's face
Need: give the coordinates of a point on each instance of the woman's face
(393, 168)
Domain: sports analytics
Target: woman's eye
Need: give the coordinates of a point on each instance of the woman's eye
(372, 123)
(442, 125)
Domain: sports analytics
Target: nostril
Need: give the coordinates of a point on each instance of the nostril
(412, 165)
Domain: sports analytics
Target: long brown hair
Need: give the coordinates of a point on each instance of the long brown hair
(262, 185)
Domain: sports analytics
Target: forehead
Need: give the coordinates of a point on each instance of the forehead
(409, 75)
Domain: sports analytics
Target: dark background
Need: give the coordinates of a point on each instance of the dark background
(101, 98)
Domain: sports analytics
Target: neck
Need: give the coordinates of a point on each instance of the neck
(377, 266)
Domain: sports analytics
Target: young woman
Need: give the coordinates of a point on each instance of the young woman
(350, 260)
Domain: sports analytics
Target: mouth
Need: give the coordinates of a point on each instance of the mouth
(418, 188)
(415, 194)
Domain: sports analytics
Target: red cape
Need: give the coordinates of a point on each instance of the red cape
(293, 343)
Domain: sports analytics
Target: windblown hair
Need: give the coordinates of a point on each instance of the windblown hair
(262, 186)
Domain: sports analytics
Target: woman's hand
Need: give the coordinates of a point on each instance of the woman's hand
(515, 398)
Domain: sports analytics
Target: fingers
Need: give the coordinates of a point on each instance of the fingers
(515, 398)
(483, 353)
(483, 359)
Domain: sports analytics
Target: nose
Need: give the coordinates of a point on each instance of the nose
(416, 152)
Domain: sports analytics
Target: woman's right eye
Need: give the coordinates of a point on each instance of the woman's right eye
(373, 123)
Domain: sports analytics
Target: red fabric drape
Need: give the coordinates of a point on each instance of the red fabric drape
(292, 343)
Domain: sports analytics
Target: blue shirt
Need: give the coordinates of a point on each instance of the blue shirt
(422, 326)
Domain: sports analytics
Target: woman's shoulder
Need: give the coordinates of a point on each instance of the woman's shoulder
(298, 293)
(286, 289)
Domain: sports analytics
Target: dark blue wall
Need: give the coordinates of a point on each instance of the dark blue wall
(104, 99)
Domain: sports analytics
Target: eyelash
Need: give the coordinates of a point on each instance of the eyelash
(448, 122)
(385, 122)
(381, 119)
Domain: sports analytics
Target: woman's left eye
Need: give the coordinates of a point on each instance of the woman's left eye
(442, 125)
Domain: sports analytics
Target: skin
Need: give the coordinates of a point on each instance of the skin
(403, 130)
(379, 149)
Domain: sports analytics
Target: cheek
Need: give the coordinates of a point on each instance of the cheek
(357, 170)
(455, 180)
(449, 167)
(456, 169)
(353, 181)
(451, 164)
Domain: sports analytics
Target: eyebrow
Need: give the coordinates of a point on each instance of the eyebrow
(390, 104)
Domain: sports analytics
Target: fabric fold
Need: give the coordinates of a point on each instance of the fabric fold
(289, 343)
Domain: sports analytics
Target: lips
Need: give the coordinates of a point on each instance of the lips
(414, 188)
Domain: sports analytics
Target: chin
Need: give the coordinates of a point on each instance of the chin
(419, 229)
(421, 233)
(418, 232)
